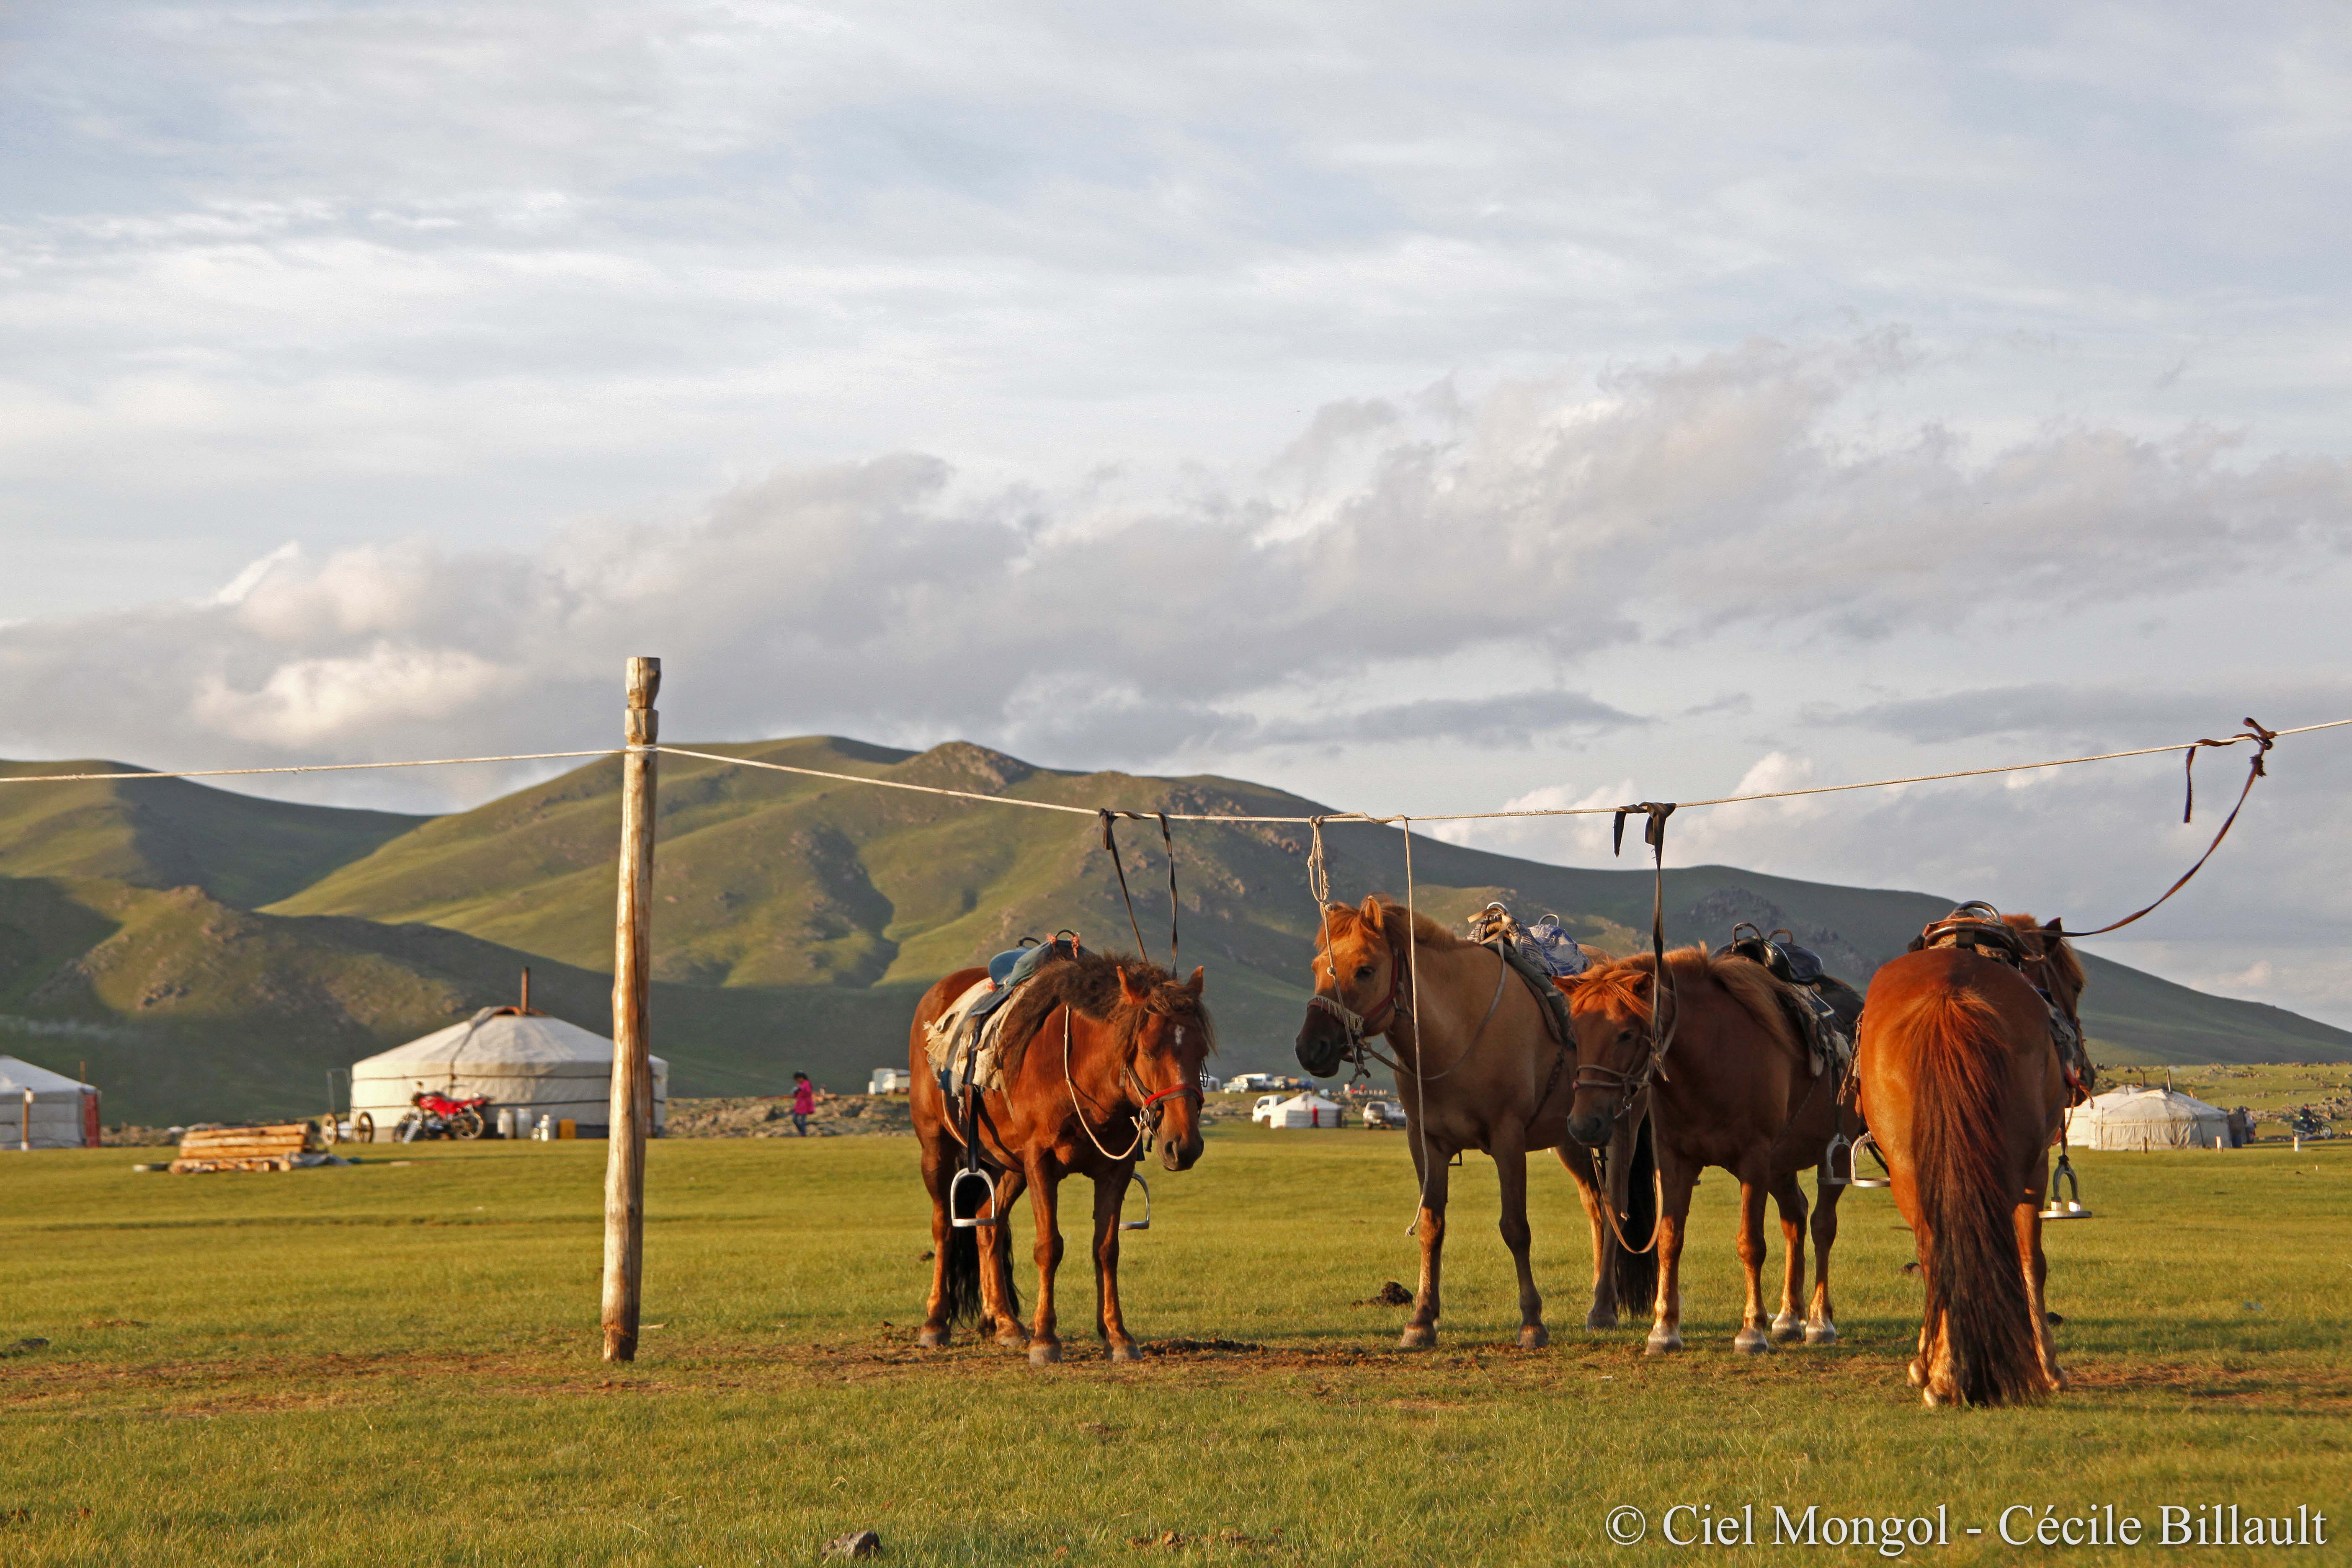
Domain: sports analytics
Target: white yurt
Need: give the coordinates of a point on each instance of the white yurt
(1309, 1110)
(2136, 1118)
(61, 1114)
(527, 1062)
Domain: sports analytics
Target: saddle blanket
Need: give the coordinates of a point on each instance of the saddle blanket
(964, 1040)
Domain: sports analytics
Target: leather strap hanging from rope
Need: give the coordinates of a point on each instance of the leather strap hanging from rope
(1654, 833)
(1110, 843)
(2263, 741)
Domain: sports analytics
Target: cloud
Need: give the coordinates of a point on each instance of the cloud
(1510, 537)
(2094, 714)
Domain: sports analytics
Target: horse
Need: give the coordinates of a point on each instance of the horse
(1965, 1092)
(1728, 1082)
(1477, 1068)
(1104, 1051)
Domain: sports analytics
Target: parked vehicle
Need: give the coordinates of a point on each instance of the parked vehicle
(891, 1080)
(1241, 1083)
(1384, 1113)
(437, 1115)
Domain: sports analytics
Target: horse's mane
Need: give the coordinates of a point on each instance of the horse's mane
(1625, 982)
(2053, 948)
(1392, 925)
(1089, 984)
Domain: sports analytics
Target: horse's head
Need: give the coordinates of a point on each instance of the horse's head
(2049, 961)
(1173, 1038)
(1609, 1006)
(1357, 974)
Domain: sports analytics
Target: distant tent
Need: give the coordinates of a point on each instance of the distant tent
(1307, 1110)
(2143, 1118)
(62, 1114)
(530, 1063)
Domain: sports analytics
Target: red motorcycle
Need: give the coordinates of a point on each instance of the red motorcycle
(438, 1116)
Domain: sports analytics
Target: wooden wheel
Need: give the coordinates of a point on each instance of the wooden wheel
(362, 1128)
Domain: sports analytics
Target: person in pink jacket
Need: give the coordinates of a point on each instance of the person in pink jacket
(804, 1102)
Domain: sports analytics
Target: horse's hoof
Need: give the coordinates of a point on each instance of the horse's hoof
(1013, 1338)
(1661, 1344)
(1751, 1342)
(1597, 1318)
(930, 1338)
(1930, 1398)
(1788, 1329)
(1417, 1336)
(1534, 1336)
(1125, 1352)
(1821, 1333)
(1044, 1352)
(1916, 1377)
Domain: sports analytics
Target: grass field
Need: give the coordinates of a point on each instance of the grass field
(397, 1363)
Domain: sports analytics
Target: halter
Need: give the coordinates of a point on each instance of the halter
(1146, 1124)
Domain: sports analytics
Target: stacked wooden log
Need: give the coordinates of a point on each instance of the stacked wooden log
(272, 1147)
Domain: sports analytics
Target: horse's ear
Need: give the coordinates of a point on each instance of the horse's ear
(2056, 924)
(1369, 912)
(1200, 978)
(1128, 988)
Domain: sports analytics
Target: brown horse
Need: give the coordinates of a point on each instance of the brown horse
(1477, 1068)
(1734, 1088)
(1965, 1093)
(1103, 1047)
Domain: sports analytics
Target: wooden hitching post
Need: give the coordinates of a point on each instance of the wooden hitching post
(633, 1087)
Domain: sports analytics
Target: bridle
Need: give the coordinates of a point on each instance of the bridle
(1147, 1116)
(1360, 1025)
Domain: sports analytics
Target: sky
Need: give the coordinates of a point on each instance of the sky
(1427, 409)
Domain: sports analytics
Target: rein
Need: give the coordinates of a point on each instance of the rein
(1146, 1124)
(1665, 1010)
(2263, 741)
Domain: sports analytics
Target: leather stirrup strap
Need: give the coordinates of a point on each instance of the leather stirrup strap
(2264, 740)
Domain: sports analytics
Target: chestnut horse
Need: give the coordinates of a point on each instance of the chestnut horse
(1734, 1088)
(1101, 1047)
(1965, 1092)
(1481, 1070)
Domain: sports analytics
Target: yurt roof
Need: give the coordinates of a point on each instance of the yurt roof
(2126, 1105)
(16, 1077)
(501, 1038)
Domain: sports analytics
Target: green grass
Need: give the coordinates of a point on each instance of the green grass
(397, 1364)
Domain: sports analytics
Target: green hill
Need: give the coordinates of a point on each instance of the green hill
(175, 833)
(210, 954)
(769, 880)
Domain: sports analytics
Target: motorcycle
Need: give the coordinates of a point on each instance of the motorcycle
(438, 1116)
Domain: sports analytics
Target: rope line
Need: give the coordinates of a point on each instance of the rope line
(1239, 818)
(317, 767)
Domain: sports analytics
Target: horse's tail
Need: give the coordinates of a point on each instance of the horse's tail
(1636, 1273)
(1976, 1280)
(963, 1302)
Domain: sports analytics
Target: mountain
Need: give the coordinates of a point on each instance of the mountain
(213, 954)
(173, 833)
(768, 879)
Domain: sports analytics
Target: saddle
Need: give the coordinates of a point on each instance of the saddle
(966, 1041)
(1828, 1012)
(1976, 927)
(1542, 955)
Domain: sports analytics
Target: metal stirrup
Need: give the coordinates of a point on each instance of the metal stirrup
(1865, 1144)
(956, 1217)
(1145, 1223)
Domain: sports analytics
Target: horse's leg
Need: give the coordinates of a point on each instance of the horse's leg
(1044, 1200)
(1821, 1323)
(2036, 1264)
(1420, 1328)
(1752, 1339)
(999, 1308)
(1603, 1314)
(1789, 1198)
(1511, 1171)
(1110, 1197)
(936, 1169)
(1675, 1184)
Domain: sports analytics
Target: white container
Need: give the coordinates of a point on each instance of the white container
(506, 1122)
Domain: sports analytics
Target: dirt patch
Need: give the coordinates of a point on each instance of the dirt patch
(770, 1116)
